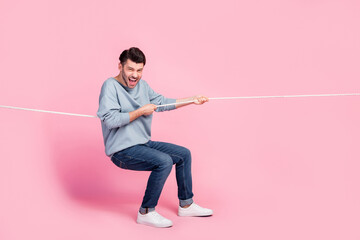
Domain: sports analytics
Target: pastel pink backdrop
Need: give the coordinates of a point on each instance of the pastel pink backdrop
(270, 169)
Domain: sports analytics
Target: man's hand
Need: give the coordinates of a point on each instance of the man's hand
(145, 110)
(148, 109)
(199, 99)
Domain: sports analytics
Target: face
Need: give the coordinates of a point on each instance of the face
(131, 73)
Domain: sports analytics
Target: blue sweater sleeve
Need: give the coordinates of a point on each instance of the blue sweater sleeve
(110, 108)
(158, 99)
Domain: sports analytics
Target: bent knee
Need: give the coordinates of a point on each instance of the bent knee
(186, 154)
(165, 162)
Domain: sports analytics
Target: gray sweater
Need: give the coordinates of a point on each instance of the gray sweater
(115, 103)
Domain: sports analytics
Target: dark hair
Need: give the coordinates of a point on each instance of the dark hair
(134, 54)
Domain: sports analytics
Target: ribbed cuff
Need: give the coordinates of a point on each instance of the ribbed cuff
(146, 210)
(183, 203)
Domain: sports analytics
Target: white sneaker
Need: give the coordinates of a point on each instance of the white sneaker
(153, 219)
(194, 210)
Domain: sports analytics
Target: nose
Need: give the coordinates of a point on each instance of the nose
(135, 74)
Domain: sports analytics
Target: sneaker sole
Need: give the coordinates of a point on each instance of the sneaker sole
(153, 225)
(193, 215)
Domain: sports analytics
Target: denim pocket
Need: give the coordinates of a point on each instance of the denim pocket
(118, 162)
(122, 165)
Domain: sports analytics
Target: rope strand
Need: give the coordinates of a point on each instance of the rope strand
(260, 97)
(45, 111)
(177, 103)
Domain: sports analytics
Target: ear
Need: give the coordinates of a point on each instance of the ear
(120, 66)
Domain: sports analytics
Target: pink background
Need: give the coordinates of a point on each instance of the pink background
(270, 169)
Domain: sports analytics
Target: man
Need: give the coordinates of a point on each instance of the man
(126, 105)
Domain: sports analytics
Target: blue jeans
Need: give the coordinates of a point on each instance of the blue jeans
(158, 157)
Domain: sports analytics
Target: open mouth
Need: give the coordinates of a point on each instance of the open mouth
(132, 81)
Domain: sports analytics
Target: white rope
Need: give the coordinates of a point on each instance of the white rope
(177, 103)
(292, 96)
(45, 111)
(259, 97)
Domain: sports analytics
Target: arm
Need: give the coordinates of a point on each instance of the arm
(198, 100)
(145, 110)
(158, 99)
(113, 118)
